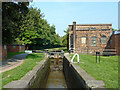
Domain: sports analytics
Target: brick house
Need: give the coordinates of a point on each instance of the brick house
(115, 41)
(16, 48)
(3, 51)
(89, 38)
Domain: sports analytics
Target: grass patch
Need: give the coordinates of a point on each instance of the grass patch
(60, 48)
(106, 71)
(54, 49)
(11, 54)
(18, 72)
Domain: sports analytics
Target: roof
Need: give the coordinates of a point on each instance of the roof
(106, 24)
(94, 24)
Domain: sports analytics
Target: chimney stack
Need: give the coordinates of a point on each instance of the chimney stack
(74, 34)
(74, 23)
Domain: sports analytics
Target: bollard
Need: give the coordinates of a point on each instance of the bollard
(99, 57)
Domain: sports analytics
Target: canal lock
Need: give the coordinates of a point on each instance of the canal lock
(55, 72)
(56, 77)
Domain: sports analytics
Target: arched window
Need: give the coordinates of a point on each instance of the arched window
(103, 39)
(83, 40)
(93, 40)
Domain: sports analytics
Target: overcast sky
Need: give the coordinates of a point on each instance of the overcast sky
(61, 14)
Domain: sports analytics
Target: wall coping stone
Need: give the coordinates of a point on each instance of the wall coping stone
(17, 84)
(90, 81)
(26, 81)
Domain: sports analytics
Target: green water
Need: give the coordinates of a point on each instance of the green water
(56, 77)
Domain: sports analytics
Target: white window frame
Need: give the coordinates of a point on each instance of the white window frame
(83, 40)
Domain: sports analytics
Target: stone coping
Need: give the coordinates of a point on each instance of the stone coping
(89, 81)
(28, 79)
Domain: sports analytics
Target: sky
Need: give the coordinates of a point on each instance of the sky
(62, 14)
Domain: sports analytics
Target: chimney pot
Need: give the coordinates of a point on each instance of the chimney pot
(74, 23)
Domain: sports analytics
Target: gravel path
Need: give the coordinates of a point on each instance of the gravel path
(12, 63)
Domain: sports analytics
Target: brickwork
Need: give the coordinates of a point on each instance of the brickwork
(88, 31)
(115, 43)
(118, 44)
(0, 52)
(112, 41)
(16, 48)
(3, 53)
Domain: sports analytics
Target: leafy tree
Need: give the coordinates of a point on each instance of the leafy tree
(57, 40)
(52, 34)
(11, 15)
(36, 31)
(65, 38)
(114, 29)
(29, 26)
(23, 25)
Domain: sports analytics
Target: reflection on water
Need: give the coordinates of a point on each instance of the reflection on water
(56, 80)
(56, 77)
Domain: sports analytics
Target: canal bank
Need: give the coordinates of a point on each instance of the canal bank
(46, 75)
(76, 77)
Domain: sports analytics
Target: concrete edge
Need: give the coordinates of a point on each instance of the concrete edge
(26, 81)
(17, 84)
(90, 81)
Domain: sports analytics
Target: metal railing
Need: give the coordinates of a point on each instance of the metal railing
(93, 51)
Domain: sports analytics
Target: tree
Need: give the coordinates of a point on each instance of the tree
(52, 35)
(23, 25)
(11, 15)
(58, 41)
(36, 31)
(65, 38)
(32, 26)
(114, 29)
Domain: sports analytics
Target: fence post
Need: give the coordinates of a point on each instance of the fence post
(99, 57)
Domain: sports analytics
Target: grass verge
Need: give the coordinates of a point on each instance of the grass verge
(106, 71)
(60, 48)
(18, 72)
(11, 54)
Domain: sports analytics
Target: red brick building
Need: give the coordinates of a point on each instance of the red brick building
(16, 48)
(89, 38)
(115, 41)
(3, 51)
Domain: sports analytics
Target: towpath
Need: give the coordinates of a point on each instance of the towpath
(15, 61)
